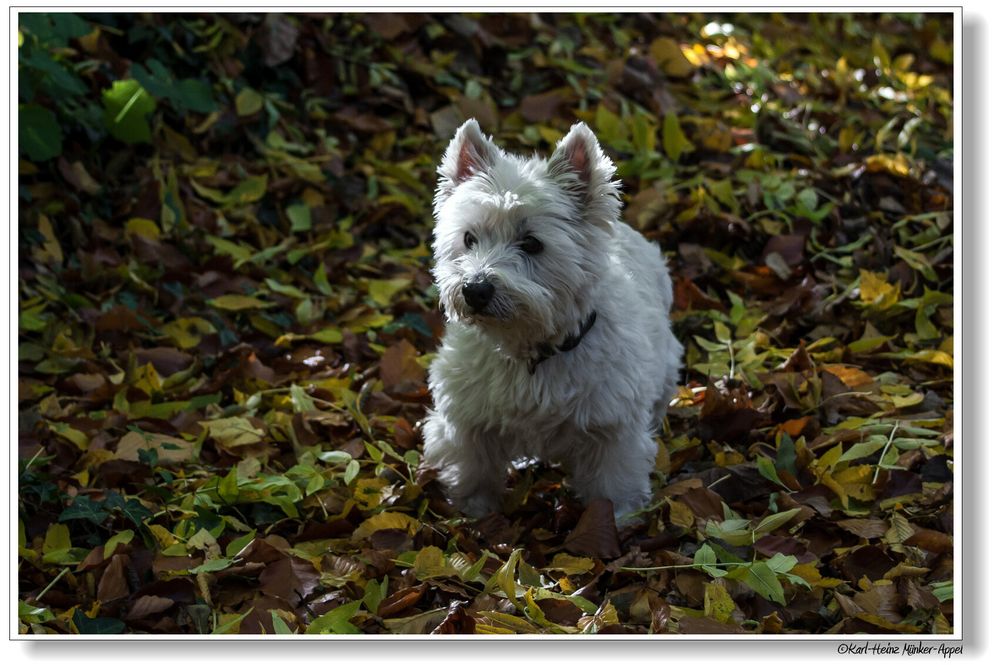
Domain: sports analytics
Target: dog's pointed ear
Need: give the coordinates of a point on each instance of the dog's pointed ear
(581, 166)
(468, 153)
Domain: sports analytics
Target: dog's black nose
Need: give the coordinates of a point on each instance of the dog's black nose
(478, 294)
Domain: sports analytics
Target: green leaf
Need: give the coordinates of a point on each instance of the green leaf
(300, 216)
(759, 577)
(705, 560)
(335, 457)
(98, 626)
(375, 593)
(229, 490)
(232, 625)
(83, 508)
(337, 621)
(236, 546)
(772, 522)
(38, 132)
(864, 449)
(248, 102)
(301, 401)
(674, 142)
(351, 472)
(211, 566)
(185, 95)
(239, 253)
(280, 627)
(327, 336)
(193, 95)
(30, 614)
(321, 280)
(113, 542)
(782, 563)
(127, 106)
(506, 578)
(250, 190)
(785, 459)
(766, 468)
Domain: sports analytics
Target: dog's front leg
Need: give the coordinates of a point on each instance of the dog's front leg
(614, 464)
(468, 465)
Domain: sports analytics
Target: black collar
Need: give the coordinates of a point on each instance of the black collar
(546, 350)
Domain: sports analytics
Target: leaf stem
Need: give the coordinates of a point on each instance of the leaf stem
(51, 584)
(885, 449)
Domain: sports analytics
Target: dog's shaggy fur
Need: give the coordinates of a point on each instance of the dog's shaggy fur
(528, 252)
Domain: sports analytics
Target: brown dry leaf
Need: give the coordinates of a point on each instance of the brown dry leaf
(399, 369)
(290, 578)
(596, 533)
(169, 449)
(113, 584)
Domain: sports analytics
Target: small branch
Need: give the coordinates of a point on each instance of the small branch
(51, 584)
(885, 449)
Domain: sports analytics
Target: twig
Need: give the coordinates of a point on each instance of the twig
(52, 584)
(885, 449)
(685, 565)
(725, 477)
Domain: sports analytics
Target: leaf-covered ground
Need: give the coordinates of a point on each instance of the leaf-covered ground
(226, 317)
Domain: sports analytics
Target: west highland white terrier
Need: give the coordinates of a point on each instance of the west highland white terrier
(557, 344)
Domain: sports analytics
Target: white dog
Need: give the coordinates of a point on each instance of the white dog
(557, 343)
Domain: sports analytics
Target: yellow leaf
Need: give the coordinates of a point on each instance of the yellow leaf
(811, 574)
(857, 482)
(163, 537)
(368, 321)
(669, 56)
(506, 578)
(830, 457)
(571, 565)
(148, 380)
(696, 54)
(186, 333)
(718, 603)
(312, 198)
(141, 226)
(248, 102)
(56, 538)
(232, 432)
(382, 290)
(932, 356)
(894, 164)
(680, 514)
(430, 562)
(112, 544)
(877, 292)
(503, 624)
(50, 252)
(237, 302)
(387, 520)
(368, 492)
(904, 401)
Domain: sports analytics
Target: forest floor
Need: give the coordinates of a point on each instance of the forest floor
(226, 316)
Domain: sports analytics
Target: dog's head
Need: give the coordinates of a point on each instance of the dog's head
(520, 243)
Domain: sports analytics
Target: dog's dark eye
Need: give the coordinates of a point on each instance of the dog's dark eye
(470, 240)
(531, 245)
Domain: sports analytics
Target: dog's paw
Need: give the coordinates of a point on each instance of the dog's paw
(479, 505)
(630, 512)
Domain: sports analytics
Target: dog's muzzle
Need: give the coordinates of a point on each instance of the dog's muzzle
(478, 293)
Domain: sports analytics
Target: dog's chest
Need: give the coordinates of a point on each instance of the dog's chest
(486, 388)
